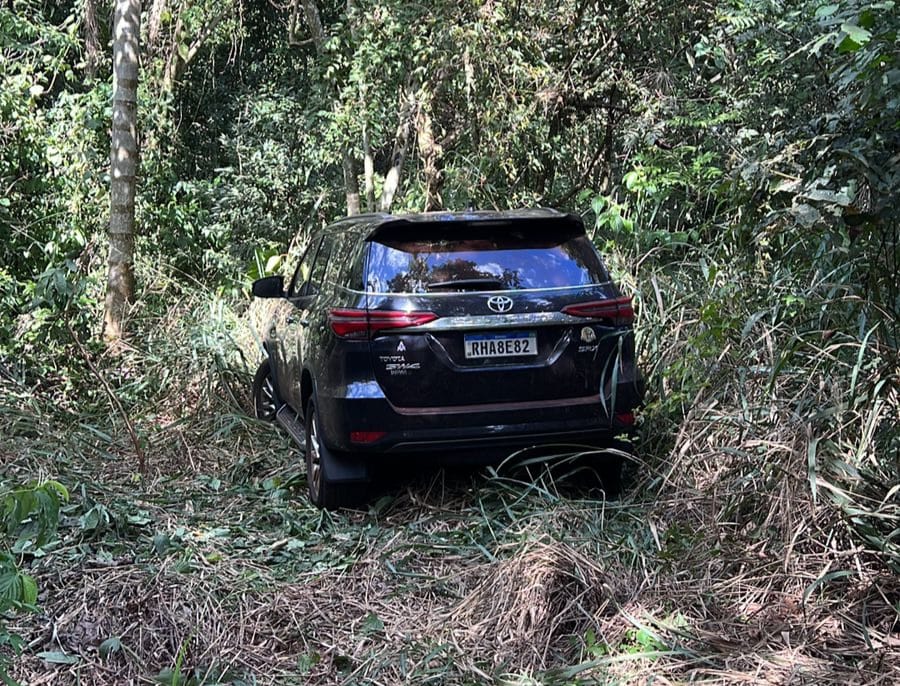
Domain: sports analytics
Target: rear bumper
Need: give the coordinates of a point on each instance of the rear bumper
(469, 427)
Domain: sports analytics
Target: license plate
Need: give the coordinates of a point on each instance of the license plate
(500, 345)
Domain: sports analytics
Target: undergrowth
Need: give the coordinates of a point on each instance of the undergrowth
(757, 539)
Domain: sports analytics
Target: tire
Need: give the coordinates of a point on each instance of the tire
(265, 397)
(323, 491)
(609, 472)
(334, 480)
(611, 469)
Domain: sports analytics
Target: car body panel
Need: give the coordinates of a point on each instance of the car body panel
(415, 388)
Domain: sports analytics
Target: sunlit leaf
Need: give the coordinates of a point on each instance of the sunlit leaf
(58, 658)
(826, 10)
(856, 35)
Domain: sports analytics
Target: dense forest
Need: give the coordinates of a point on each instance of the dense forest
(738, 164)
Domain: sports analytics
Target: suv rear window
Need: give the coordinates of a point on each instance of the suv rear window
(458, 259)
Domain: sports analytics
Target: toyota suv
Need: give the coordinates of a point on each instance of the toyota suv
(440, 335)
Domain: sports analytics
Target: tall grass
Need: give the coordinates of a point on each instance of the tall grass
(757, 539)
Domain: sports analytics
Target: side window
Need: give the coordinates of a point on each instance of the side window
(344, 260)
(301, 275)
(320, 265)
(335, 265)
(353, 273)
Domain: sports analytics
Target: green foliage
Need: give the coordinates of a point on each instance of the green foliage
(52, 156)
(50, 143)
(29, 517)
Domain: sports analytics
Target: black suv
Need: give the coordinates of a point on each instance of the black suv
(447, 335)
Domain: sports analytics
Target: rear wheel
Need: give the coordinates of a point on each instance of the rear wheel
(265, 397)
(612, 464)
(609, 471)
(322, 465)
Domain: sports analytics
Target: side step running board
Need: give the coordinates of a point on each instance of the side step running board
(288, 419)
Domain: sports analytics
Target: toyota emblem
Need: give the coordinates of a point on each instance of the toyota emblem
(499, 304)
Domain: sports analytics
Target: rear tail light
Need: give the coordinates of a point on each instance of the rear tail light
(366, 436)
(619, 311)
(625, 418)
(356, 323)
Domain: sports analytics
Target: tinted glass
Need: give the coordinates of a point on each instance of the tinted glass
(346, 263)
(301, 275)
(502, 261)
(353, 273)
(321, 264)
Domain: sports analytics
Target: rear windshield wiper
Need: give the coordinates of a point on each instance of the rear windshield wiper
(467, 285)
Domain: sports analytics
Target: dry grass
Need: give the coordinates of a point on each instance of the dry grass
(446, 585)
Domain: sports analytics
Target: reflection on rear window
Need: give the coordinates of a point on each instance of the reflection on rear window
(504, 262)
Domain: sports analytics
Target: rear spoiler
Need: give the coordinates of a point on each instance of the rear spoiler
(420, 225)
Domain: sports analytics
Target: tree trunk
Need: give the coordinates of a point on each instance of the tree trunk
(179, 59)
(398, 155)
(154, 23)
(351, 168)
(368, 170)
(123, 166)
(351, 182)
(368, 160)
(609, 158)
(314, 24)
(430, 152)
(91, 39)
